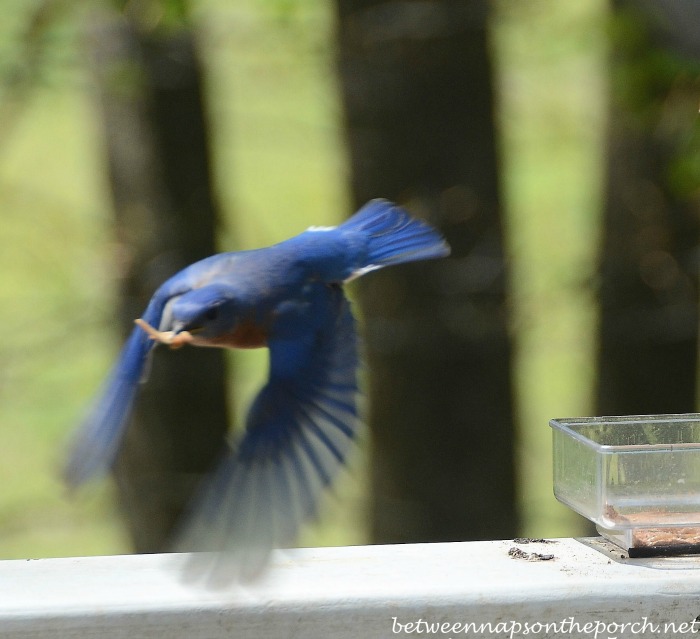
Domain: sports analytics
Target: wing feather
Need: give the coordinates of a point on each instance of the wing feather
(96, 443)
(299, 433)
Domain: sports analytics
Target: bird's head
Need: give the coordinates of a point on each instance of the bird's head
(206, 311)
(196, 316)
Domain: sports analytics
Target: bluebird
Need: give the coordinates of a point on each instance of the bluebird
(302, 425)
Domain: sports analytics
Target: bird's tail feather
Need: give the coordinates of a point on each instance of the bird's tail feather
(393, 236)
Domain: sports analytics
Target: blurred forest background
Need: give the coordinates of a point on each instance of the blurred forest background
(565, 176)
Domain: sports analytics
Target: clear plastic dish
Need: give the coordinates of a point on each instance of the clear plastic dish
(636, 477)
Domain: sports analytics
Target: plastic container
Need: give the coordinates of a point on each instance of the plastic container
(636, 477)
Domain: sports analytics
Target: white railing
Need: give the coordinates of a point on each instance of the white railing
(564, 588)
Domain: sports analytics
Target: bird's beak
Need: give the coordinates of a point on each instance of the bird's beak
(173, 339)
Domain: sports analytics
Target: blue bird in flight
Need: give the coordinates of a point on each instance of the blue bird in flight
(302, 425)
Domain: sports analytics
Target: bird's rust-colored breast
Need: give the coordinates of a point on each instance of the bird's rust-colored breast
(247, 334)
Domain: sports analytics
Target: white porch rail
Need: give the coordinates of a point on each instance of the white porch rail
(474, 589)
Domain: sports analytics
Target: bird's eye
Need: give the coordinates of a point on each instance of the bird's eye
(212, 313)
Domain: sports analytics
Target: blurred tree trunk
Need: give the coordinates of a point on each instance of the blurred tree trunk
(150, 88)
(649, 263)
(419, 107)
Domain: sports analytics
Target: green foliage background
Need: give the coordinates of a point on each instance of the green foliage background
(280, 167)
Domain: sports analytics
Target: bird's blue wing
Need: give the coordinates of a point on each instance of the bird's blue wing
(299, 432)
(95, 444)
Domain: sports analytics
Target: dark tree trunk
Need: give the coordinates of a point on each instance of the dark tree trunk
(649, 263)
(150, 86)
(418, 96)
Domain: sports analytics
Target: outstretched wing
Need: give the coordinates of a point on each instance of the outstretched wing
(299, 432)
(95, 444)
